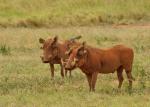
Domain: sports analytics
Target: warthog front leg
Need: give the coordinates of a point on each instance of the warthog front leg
(52, 70)
(89, 78)
(93, 81)
(62, 70)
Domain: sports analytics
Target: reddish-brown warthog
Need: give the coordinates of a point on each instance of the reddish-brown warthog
(54, 52)
(93, 61)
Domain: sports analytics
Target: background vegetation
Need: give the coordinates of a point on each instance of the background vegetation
(49, 13)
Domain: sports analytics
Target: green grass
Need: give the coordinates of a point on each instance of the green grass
(25, 80)
(50, 13)
(4, 50)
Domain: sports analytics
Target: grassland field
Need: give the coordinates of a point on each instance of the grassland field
(52, 13)
(25, 80)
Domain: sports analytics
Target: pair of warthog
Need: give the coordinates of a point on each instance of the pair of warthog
(71, 54)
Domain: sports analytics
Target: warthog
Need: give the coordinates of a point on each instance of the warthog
(54, 52)
(93, 61)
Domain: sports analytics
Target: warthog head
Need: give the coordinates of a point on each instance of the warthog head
(77, 56)
(50, 49)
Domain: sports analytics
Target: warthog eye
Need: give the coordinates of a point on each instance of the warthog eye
(41, 47)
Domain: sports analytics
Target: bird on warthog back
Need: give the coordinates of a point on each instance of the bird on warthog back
(54, 51)
(94, 60)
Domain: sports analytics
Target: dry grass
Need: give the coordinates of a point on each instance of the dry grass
(49, 13)
(25, 81)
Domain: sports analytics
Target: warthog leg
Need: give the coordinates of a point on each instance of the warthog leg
(120, 76)
(130, 78)
(93, 81)
(52, 70)
(89, 78)
(62, 70)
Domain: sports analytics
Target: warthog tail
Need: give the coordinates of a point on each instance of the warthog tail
(75, 38)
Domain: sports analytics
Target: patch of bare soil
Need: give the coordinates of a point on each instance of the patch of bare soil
(132, 25)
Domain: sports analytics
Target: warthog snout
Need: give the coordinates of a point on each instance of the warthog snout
(70, 65)
(44, 60)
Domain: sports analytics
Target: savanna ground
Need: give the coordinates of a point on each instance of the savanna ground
(25, 81)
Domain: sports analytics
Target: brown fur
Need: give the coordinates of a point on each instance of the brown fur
(54, 53)
(93, 61)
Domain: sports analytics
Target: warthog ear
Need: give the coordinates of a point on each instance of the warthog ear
(82, 50)
(55, 39)
(83, 44)
(41, 40)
